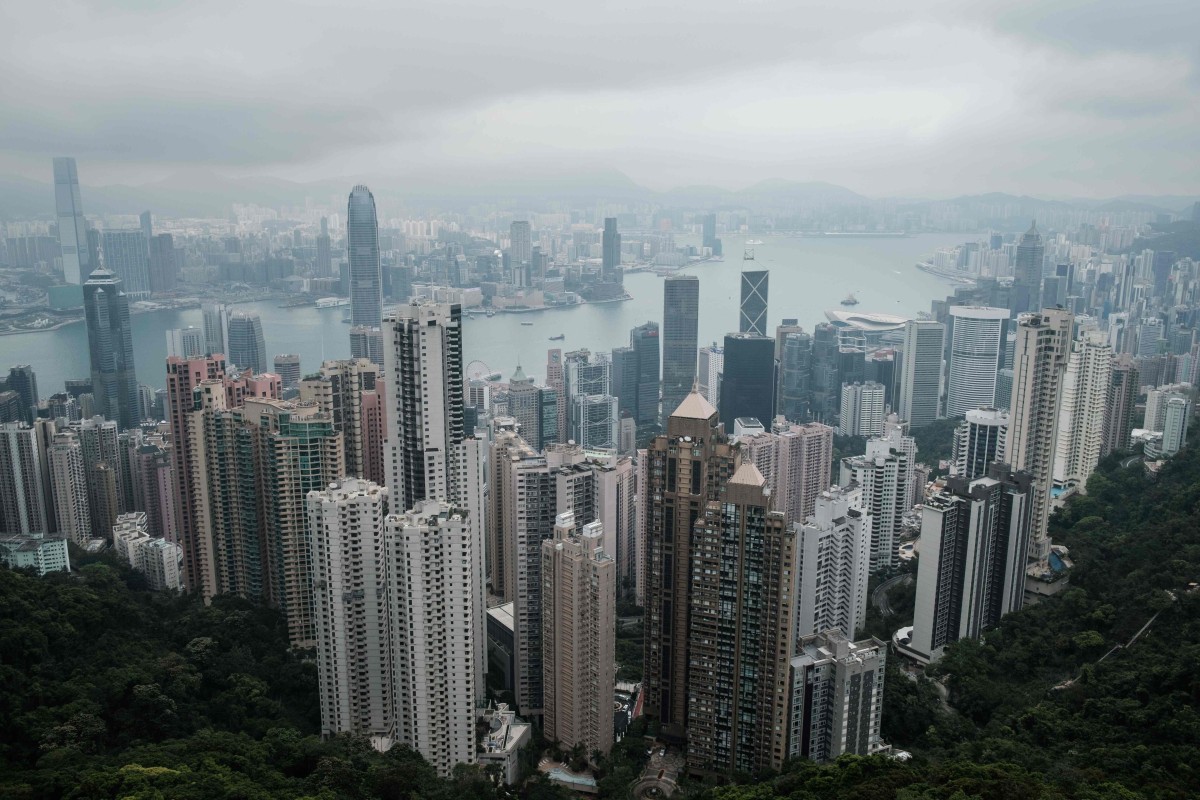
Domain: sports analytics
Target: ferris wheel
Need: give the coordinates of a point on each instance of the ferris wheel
(478, 371)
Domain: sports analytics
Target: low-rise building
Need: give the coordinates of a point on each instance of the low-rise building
(42, 553)
(502, 742)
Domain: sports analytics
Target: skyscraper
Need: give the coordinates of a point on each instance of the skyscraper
(520, 244)
(681, 320)
(110, 348)
(610, 250)
(1027, 271)
(834, 564)
(185, 342)
(579, 625)
(23, 381)
(324, 265)
(1120, 403)
(741, 629)
(794, 380)
(974, 539)
(68, 483)
(247, 349)
(712, 363)
(862, 409)
(796, 461)
(979, 441)
(556, 380)
(921, 372)
(22, 499)
(367, 343)
(748, 380)
(1081, 415)
(686, 468)
(127, 255)
(287, 367)
(362, 245)
(164, 264)
(1040, 361)
(977, 336)
(1175, 425)
(882, 476)
(216, 328)
(72, 227)
(644, 340)
(752, 311)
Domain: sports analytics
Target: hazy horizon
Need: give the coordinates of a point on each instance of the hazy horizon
(922, 100)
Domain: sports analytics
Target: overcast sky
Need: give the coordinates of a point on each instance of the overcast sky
(1052, 97)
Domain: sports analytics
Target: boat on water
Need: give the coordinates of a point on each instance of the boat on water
(754, 241)
(526, 323)
(332, 302)
(558, 338)
(850, 300)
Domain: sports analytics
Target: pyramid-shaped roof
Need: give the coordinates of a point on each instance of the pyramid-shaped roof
(694, 406)
(748, 475)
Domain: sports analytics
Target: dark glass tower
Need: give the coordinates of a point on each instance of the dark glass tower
(644, 341)
(1027, 271)
(110, 348)
(22, 381)
(795, 377)
(611, 252)
(247, 347)
(77, 258)
(746, 389)
(362, 246)
(753, 314)
(681, 321)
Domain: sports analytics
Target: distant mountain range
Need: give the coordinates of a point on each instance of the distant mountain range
(198, 193)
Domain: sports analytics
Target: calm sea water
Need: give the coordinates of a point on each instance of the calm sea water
(808, 276)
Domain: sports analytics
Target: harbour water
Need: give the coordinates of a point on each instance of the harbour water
(808, 276)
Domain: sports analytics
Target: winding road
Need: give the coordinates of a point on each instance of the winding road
(879, 597)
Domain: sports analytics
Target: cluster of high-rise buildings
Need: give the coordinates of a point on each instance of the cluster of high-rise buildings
(390, 504)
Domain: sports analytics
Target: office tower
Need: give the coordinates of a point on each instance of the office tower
(216, 328)
(836, 694)
(556, 381)
(350, 569)
(324, 265)
(709, 234)
(437, 612)
(708, 379)
(862, 409)
(110, 348)
(287, 367)
(742, 630)
(680, 333)
(1120, 403)
(164, 264)
(686, 468)
(1004, 385)
(12, 408)
(921, 372)
(979, 441)
(1027, 271)
(147, 226)
(643, 341)
(367, 343)
(595, 422)
(72, 227)
(185, 342)
(1081, 415)
(1040, 361)
(748, 380)
(23, 381)
(826, 381)
(752, 311)
(127, 255)
(834, 564)
(69, 488)
(1175, 425)
(1149, 335)
(22, 498)
(882, 474)
(610, 249)
(579, 627)
(974, 540)
(362, 246)
(794, 376)
(977, 335)
(520, 243)
(247, 348)
(524, 405)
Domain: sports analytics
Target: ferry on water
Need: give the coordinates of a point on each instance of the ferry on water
(332, 302)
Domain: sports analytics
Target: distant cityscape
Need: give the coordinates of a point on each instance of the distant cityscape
(459, 552)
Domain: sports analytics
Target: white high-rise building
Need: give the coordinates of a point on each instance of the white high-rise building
(712, 365)
(979, 441)
(68, 482)
(977, 338)
(216, 328)
(437, 612)
(1039, 363)
(579, 626)
(834, 564)
(1175, 425)
(352, 609)
(862, 409)
(882, 475)
(974, 540)
(157, 559)
(843, 714)
(920, 383)
(22, 503)
(1081, 417)
(185, 342)
(796, 461)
